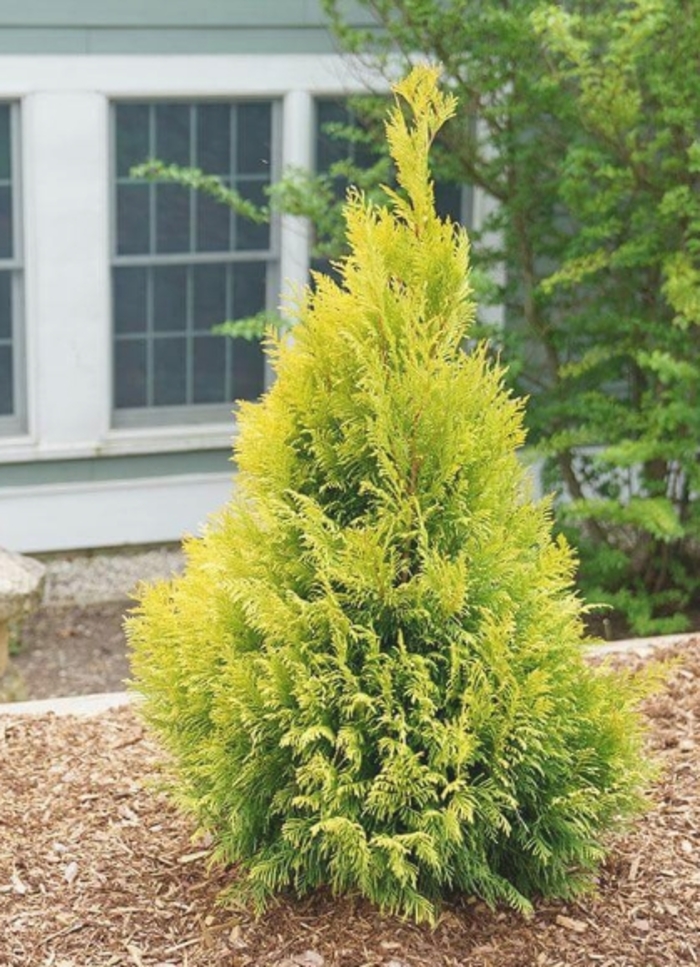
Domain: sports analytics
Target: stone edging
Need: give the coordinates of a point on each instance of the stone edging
(69, 704)
(641, 646)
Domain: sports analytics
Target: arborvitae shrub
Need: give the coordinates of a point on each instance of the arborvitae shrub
(371, 673)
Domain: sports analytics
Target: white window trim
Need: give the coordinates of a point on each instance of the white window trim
(15, 423)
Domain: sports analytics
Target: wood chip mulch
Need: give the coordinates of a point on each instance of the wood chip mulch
(98, 870)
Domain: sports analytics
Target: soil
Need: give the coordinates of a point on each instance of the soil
(68, 650)
(97, 869)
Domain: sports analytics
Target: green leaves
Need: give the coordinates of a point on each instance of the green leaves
(157, 170)
(628, 181)
(655, 515)
(682, 287)
(253, 327)
(581, 121)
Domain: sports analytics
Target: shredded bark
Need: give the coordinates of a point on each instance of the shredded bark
(97, 869)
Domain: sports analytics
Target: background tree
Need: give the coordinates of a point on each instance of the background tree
(582, 125)
(631, 185)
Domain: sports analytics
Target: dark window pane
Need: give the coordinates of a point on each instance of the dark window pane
(363, 155)
(6, 222)
(214, 138)
(250, 235)
(330, 149)
(170, 298)
(5, 305)
(448, 200)
(209, 370)
(248, 289)
(169, 372)
(253, 138)
(130, 373)
(248, 369)
(6, 383)
(130, 295)
(173, 133)
(247, 362)
(132, 219)
(325, 267)
(5, 150)
(213, 225)
(209, 296)
(172, 218)
(133, 145)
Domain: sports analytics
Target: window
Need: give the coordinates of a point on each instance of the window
(183, 263)
(10, 278)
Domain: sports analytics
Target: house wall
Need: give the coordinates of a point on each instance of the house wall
(167, 26)
(64, 184)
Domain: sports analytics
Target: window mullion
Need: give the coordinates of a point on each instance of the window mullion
(152, 187)
(233, 176)
(189, 336)
(227, 341)
(193, 164)
(150, 329)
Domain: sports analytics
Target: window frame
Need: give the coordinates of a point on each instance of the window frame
(15, 423)
(187, 414)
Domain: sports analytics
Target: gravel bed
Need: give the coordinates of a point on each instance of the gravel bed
(101, 576)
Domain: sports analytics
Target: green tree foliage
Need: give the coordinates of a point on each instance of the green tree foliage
(370, 675)
(631, 183)
(580, 119)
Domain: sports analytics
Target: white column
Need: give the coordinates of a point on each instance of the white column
(484, 206)
(297, 152)
(66, 206)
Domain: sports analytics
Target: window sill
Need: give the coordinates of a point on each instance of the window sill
(167, 439)
(123, 442)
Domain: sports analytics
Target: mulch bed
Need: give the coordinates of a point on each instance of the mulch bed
(97, 870)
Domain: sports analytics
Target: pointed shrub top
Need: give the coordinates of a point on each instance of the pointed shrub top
(402, 306)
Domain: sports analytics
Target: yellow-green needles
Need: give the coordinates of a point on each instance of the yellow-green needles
(370, 675)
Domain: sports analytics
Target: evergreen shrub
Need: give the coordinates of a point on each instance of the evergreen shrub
(371, 674)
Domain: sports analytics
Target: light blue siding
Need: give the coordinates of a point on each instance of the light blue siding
(96, 469)
(167, 26)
